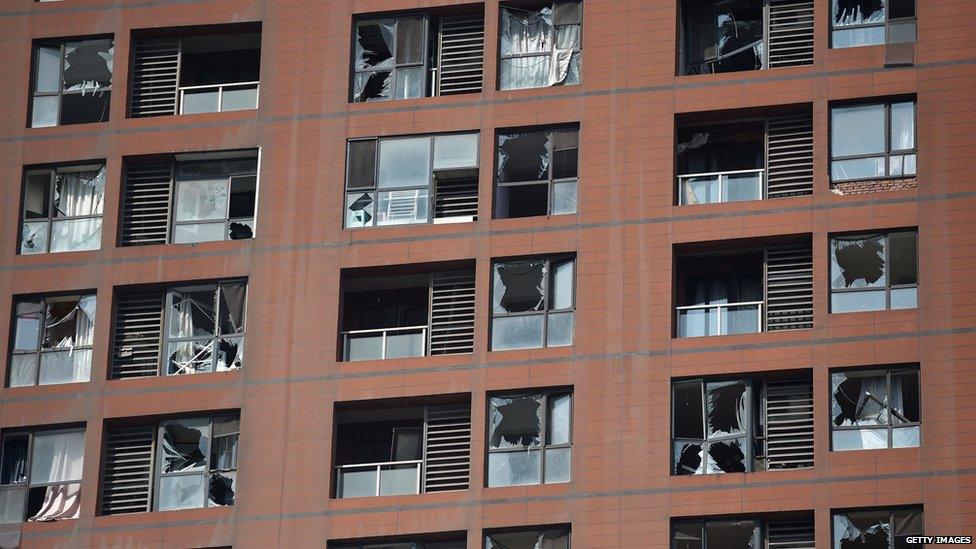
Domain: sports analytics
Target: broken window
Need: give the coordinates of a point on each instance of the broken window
(215, 199)
(537, 173)
(197, 465)
(72, 82)
(426, 541)
(878, 528)
(871, 22)
(40, 475)
(540, 47)
(205, 328)
(874, 272)
(874, 409)
(529, 438)
(778, 530)
(53, 339)
(872, 141)
(722, 36)
(62, 209)
(721, 163)
(545, 537)
(417, 55)
(713, 424)
(533, 303)
(404, 180)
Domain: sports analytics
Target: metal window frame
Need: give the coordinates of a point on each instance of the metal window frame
(750, 429)
(375, 189)
(159, 456)
(758, 536)
(166, 339)
(544, 444)
(546, 281)
(887, 153)
(508, 5)
(486, 534)
(550, 180)
(27, 485)
(888, 372)
(226, 220)
(52, 187)
(62, 44)
(424, 65)
(886, 23)
(39, 351)
(834, 513)
(888, 286)
(685, 65)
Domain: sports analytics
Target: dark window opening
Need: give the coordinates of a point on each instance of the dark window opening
(878, 528)
(779, 530)
(720, 294)
(873, 409)
(72, 82)
(722, 36)
(549, 537)
(721, 163)
(537, 173)
(447, 540)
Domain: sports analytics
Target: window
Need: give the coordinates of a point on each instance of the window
(874, 409)
(63, 209)
(537, 173)
(72, 82)
(191, 197)
(532, 303)
(872, 141)
(425, 541)
(419, 179)
(540, 46)
(40, 475)
(419, 54)
(529, 438)
(873, 272)
(548, 537)
(878, 528)
(197, 464)
(741, 425)
(52, 340)
(780, 530)
(722, 36)
(872, 22)
(205, 328)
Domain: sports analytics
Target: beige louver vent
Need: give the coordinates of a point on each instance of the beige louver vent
(128, 473)
(790, 535)
(790, 33)
(789, 287)
(447, 448)
(789, 156)
(452, 312)
(788, 409)
(155, 77)
(146, 202)
(461, 55)
(138, 327)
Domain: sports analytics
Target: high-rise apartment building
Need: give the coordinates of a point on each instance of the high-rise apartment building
(527, 274)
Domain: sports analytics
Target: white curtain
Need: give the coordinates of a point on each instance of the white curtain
(60, 502)
(79, 193)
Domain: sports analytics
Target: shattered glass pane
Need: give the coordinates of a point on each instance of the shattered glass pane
(240, 229)
(455, 151)
(79, 193)
(861, 529)
(404, 163)
(859, 398)
(515, 422)
(48, 75)
(518, 287)
(857, 12)
(687, 535)
(192, 312)
(27, 332)
(558, 465)
(688, 412)
(88, 65)
(525, 31)
(359, 209)
(514, 468)
(688, 458)
(731, 534)
(516, 332)
(184, 446)
(523, 157)
(61, 324)
(181, 492)
(374, 44)
(221, 489)
(230, 354)
(556, 538)
(372, 86)
(727, 456)
(34, 238)
(190, 357)
(57, 457)
(726, 412)
(857, 262)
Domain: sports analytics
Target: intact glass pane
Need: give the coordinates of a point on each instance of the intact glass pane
(854, 37)
(518, 468)
(404, 162)
(57, 457)
(903, 126)
(905, 437)
(48, 78)
(904, 298)
(398, 480)
(65, 367)
(364, 347)
(23, 370)
(409, 40)
(409, 83)
(456, 151)
(201, 200)
(560, 409)
(700, 190)
(857, 130)
(859, 168)
(909, 168)
(860, 439)
(687, 412)
(76, 235)
(516, 332)
(524, 72)
(847, 302)
(27, 331)
(740, 319)
(198, 232)
(357, 483)
(402, 207)
(37, 195)
(361, 164)
(903, 248)
(200, 101)
(905, 397)
(12, 502)
(14, 459)
(239, 99)
(742, 186)
(564, 197)
(404, 344)
(44, 112)
(559, 332)
(34, 238)
(563, 282)
(558, 465)
(181, 492)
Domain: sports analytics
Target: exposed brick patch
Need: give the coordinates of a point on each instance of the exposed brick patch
(874, 186)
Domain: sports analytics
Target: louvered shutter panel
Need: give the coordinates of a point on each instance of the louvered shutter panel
(456, 198)
(789, 287)
(788, 409)
(155, 77)
(790, 534)
(127, 477)
(789, 156)
(461, 57)
(137, 337)
(790, 33)
(146, 200)
(452, 312)
(447, 448)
